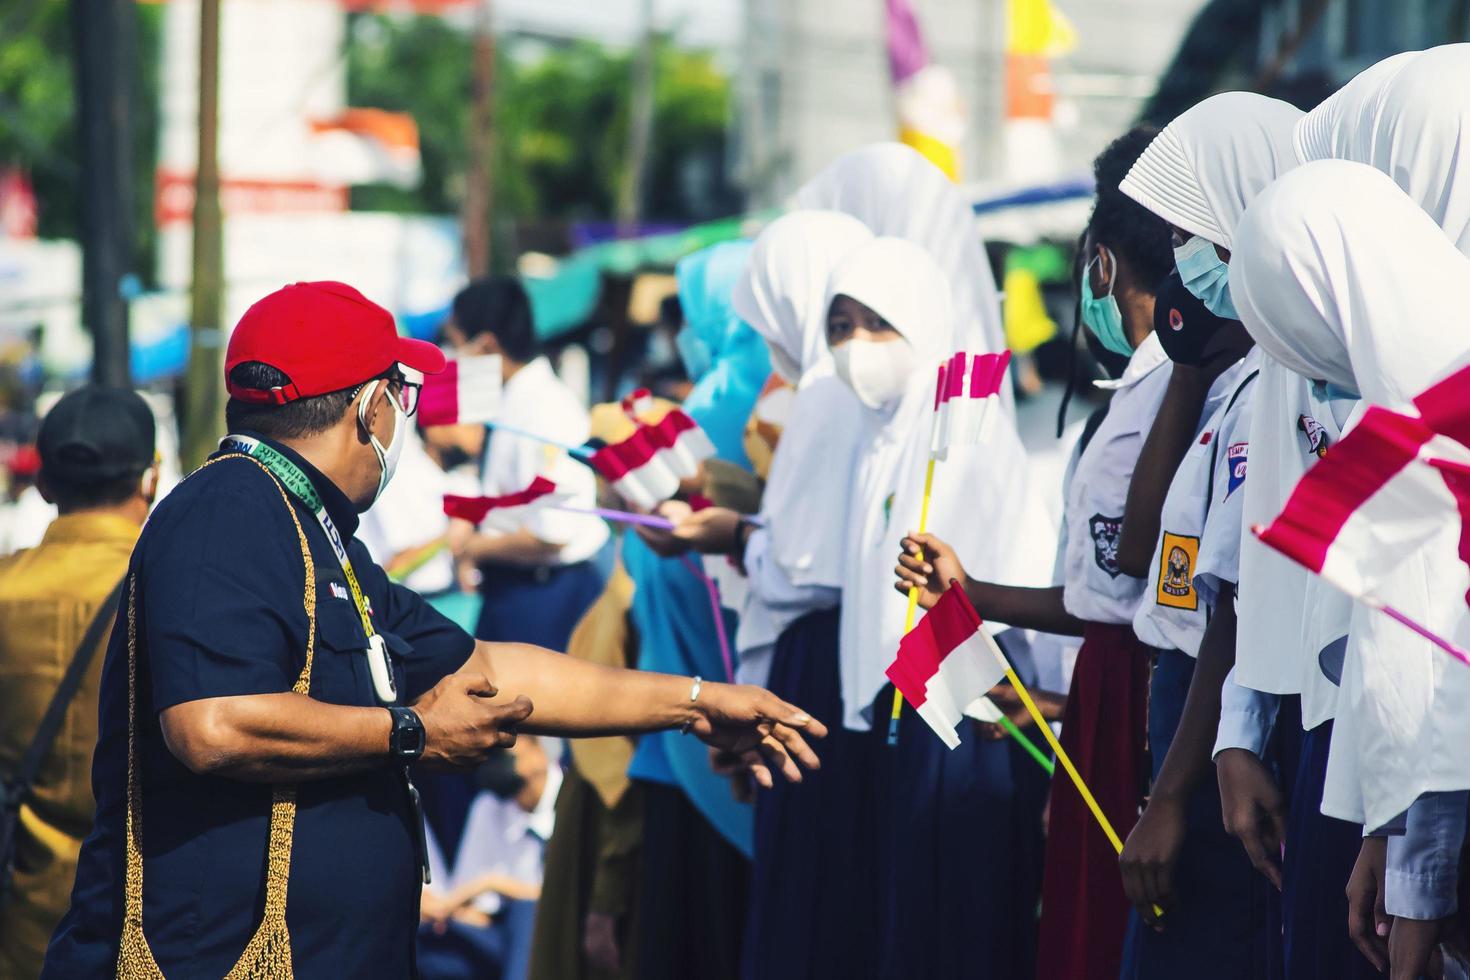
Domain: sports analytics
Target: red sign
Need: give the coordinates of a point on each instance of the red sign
(173, 200)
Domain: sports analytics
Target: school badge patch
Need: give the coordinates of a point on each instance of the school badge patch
(1176, 572)
(1106, 532)
(1316, 435)
(1235, 459)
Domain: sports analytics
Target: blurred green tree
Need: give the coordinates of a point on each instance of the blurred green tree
(38, 115)
(561, 116)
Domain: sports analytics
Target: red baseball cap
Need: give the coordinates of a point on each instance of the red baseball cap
(324, 337)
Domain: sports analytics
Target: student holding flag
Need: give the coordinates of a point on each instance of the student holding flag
(546, 564)
(813, 903)
(1083, 909)
(1385, 329)
(958, 847)
(697, 838)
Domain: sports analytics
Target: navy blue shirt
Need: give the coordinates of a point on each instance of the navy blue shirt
(220, 612)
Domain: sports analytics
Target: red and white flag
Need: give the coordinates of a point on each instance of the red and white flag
(944, 664)
(1385, 490)
(509, 512)
(646, 467)
(968, 391)
(467, 390)
(639, 403)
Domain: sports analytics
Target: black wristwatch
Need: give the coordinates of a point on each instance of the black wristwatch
(406, 740)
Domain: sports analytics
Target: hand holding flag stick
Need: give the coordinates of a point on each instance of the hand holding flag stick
(941, 668)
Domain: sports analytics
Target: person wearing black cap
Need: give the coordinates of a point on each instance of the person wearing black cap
(97, 466)
(269, 689)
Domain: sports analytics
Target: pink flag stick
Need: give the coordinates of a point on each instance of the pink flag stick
(714, 606)
(621, 516)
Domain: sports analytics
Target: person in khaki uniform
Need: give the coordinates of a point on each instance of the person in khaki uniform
(97, 466)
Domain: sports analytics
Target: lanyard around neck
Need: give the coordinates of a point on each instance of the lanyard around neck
(299, 485)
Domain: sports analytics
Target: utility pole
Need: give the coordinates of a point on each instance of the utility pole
(640, 131)
(203, 416)
(104, 34)
(479, 195)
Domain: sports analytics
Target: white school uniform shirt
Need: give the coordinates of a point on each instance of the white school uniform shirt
(1197, 557)
(536, 400)
(499, 837)
(1094, 589)
(410, 513)
(773, 603)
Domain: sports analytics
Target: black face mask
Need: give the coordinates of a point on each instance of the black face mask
(1189, 333)
(453, 457)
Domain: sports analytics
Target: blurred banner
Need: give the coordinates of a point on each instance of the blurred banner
(1037, 33)
(930, 116)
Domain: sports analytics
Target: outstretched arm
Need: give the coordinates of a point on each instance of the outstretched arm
(577, 698)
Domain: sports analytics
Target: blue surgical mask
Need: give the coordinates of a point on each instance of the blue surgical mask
(694, 352)
(1103, 317)
(1326, 391)
(1206, 275)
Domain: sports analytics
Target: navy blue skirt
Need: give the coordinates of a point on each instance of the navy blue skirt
(1320, 853)
(1217, 929)
(960, 851)
(814, 890)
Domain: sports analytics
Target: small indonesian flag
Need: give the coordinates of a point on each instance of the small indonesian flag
(944, 664)
(507, 513)
(637, 404)
(969, 387)
(1386, 489)
(646, 467)
(467, 390)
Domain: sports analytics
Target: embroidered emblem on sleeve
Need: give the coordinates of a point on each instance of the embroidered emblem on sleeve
(1176, 572)
(1316, 435)
(1106, 532)
(1235, 459)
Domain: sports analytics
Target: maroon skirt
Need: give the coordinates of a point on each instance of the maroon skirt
(1104, 729)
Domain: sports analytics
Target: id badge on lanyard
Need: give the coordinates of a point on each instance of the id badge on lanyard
(380, 667)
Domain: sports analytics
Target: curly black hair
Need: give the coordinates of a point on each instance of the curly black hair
(1121, 223)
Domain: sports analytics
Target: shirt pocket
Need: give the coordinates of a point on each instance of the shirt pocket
(340, 672)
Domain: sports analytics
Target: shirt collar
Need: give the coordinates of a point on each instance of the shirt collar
(90, 527)
(339, 508)
(1149, 355)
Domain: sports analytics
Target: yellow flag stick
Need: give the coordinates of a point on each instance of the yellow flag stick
(908, 622)
(1056, 747)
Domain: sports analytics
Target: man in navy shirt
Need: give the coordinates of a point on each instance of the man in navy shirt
(254, 805)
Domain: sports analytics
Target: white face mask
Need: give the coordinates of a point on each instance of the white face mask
(387, 457)
(877, 373)
(783, 365)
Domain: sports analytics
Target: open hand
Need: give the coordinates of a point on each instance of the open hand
(1253, 809)
(462, 725)
(928, 564)
(762, 731)
(1150, 856)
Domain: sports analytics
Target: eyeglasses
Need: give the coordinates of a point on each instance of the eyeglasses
(399, 388)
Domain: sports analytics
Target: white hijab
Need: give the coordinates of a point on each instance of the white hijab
(1200, 174)
(783, 296)
(1342, 277)
(1408, 116)
(1202, 170)
(895, 190)
(978, 495)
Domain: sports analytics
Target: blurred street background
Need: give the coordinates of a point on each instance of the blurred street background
(406, 145)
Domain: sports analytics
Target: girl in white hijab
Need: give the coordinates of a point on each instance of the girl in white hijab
(1351, 284)
(812, 877)
(895, 190)
(1200, 175)
(957, 873)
